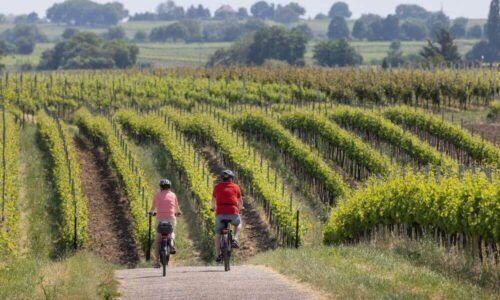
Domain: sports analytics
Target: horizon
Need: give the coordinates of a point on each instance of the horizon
(453, 8)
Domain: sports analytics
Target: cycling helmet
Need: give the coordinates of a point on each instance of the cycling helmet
(227, 174)
(165, 183)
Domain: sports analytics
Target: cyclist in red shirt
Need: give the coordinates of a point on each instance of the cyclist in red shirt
(226, 202)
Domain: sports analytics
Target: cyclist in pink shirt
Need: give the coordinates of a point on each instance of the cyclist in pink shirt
(166, 207)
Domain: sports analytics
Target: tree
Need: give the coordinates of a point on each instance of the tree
(123, 54)
(489, 51)
(237, 54)
(437, 22)
(340, 9)
(359, 30)
(376, 30)
(413, 31)
(86, 50)
(482, 52)
(336, 53)
(286, 15)
(444, 50)
(279, 43)
(262, 10)
(294, 6)
(140, 36)
(459, 28)
(411, 11)
(242, 13)
(225, 12)
(115, 33)
(169, 11)
(391, 29)
(86, 13)
(493, 25)
(176, 31)
(69, 33)
(338, 29)
(198, 12)
(475, 32)
(305, 30)
(395, 45)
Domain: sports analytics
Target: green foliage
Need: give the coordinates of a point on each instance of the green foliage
(474, 146)
(336, 53)
(86, 50)
(86, 13)
(102, 130)
(384, 129)
(173, 32)
(447, 51)
(154, 128)
(340, 9)
(9, 228)
(205, 127)
(339, 138)
(277, 43)
(338, 30)
(493, 25)
(467, 206)
(59, 168)
(494, 113)
(315, 167)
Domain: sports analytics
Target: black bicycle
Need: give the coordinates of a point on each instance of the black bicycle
(226, 240)
(165, 229)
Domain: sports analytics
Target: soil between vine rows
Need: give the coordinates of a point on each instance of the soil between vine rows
(110, 223)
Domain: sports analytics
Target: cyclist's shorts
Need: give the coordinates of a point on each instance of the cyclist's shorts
(235, 220)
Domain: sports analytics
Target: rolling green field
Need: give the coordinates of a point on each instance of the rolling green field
(197, 54)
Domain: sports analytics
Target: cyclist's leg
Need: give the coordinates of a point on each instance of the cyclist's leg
(218, 227)
(236, 221)
(157, 246)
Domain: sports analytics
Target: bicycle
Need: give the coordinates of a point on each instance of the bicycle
(226, 240)
(165, 229)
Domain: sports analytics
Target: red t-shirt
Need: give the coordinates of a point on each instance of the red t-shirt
(227, 196)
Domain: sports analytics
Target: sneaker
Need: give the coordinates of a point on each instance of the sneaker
(234, 244)
(156, 265)
(218, 259)
(173, 250)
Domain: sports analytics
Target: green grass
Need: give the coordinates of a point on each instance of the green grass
(81, 276)
(197, 54)
(403, 271)
(34, 275)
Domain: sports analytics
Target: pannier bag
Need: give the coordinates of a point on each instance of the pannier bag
(165, 228)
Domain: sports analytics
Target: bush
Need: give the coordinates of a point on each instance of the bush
(339, 53)
(494, 113)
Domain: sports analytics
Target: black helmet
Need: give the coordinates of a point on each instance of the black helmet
(227, 174)
(165, 184)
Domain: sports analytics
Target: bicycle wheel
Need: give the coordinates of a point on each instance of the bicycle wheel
(226, 254)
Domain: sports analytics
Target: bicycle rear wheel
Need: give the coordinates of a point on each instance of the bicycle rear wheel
(226, 254)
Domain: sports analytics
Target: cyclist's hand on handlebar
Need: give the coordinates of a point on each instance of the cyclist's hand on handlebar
(212, 209)
(178, 214)
(152, 213)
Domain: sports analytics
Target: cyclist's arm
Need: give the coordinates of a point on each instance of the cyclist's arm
(214, 203)
(240, 200)
(153, 207)
(177, 207)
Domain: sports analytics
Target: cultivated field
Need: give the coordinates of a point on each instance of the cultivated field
(386, 181)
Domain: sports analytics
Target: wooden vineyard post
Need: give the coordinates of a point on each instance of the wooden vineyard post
(297, 230)
(148, 250)
(4, 135)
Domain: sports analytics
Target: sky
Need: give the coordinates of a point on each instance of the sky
(453, 8)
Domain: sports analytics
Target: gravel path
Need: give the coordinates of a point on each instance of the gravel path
(242, 282)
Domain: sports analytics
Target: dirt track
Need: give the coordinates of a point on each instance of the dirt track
(110, 228)
(242, 282)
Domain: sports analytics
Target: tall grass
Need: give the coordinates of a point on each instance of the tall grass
(399, 269)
